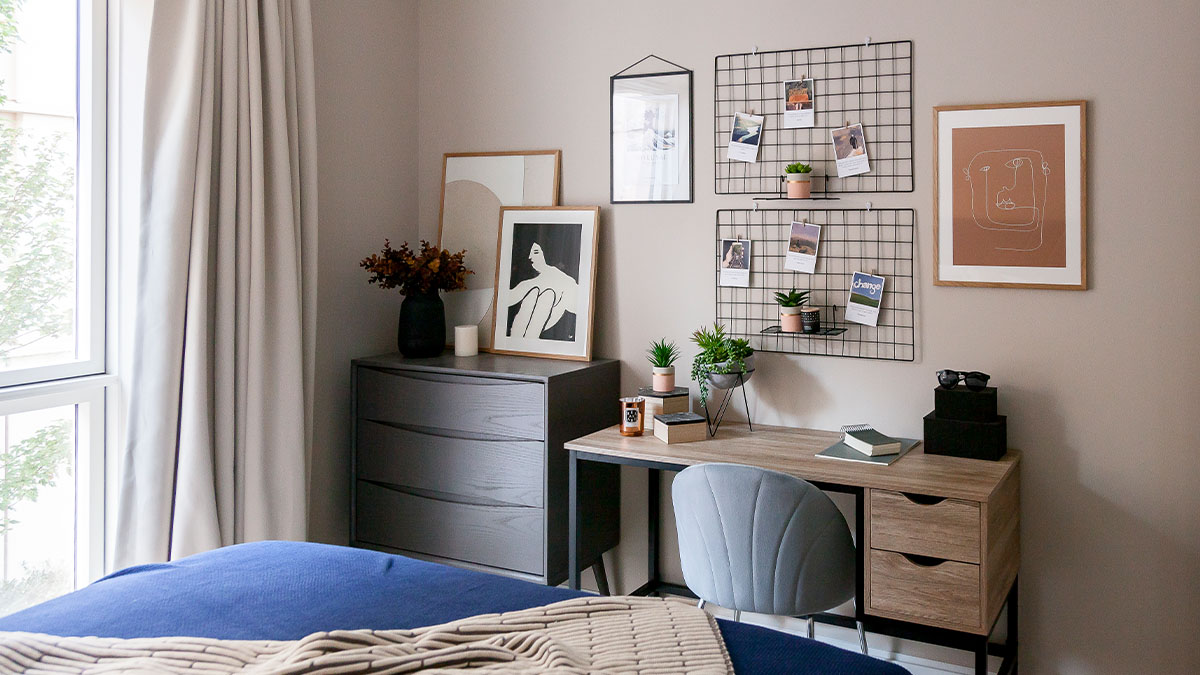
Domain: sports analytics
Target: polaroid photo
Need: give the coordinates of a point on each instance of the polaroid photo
(866, 295)
(850, 149)
(798, 99)
(745, 137)
(735, 262)
(802, 247)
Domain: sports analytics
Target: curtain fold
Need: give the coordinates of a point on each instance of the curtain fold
(219, 428)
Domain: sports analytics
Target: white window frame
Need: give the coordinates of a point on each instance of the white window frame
(91, 204)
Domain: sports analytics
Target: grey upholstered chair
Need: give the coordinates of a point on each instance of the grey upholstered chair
(762, 541)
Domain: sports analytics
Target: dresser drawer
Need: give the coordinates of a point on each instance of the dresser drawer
(505, 471)
(478, 405)
(945, 593)
(509, 537)
(947, 528)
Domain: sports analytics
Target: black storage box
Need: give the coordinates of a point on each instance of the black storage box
(963, 404)
(959, 438)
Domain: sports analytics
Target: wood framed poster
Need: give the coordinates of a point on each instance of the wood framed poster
(475, 186)
(1010, 195)
(546, 281)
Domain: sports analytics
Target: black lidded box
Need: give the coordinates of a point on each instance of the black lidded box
(963, 404)
(965, 438)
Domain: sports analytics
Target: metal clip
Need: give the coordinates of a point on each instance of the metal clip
(868, 42)
(755, 52)
(868, 207)
(756, 205)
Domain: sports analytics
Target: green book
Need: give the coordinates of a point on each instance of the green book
(842, 451)
(866, 440)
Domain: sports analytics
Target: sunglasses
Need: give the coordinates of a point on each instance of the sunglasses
(975, 380)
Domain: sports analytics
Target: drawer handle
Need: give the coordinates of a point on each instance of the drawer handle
(922, 560)
(923, 500)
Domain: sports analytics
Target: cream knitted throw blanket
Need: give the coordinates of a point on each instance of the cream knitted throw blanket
(583, 635)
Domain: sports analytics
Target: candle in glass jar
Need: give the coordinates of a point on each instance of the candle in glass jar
(633, 415)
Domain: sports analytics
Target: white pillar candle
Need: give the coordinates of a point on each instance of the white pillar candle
(466, 340)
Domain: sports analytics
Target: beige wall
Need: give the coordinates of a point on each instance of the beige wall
(1101, 387)
(366, 78)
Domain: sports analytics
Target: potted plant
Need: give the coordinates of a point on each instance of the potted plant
(419, 276)
(799, 180)
(662, 356)
(723, 362)
(790, 304)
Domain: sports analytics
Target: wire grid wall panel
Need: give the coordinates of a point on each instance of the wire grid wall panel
(869, 83)
(878, 241)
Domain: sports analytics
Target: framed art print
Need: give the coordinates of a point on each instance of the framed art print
(650, 110)
(475, 186)
(545, 282)
(1010, 195)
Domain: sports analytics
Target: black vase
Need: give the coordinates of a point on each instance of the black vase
(422, 329)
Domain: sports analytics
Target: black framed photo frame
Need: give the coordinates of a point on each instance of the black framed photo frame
(650, 113)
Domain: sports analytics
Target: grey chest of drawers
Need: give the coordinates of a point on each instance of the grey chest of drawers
(461, 460)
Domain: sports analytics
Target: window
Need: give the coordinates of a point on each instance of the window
(53, 383)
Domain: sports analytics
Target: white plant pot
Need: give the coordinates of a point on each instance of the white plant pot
(730, 380)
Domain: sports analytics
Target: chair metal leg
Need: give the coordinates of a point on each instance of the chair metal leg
(862, 637)
(700, 605)
(601, 577)
(737, 615)
(812, 632)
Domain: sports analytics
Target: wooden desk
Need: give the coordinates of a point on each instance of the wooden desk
(937, 537)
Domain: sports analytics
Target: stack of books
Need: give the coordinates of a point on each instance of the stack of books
(861, 443)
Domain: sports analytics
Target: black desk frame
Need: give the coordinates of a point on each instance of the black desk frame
(980, 645)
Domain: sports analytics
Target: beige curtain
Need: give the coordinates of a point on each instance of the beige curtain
(221, 392)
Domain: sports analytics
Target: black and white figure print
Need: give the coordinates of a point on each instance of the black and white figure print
(545, 279)
(543, 292)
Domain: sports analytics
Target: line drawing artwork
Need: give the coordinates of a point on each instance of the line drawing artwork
(1016, 201)
(543, 301)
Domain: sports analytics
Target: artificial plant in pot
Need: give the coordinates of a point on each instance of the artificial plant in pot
(790, 304)
(799, 180)
(723, 362)
(662, 356)
(419, 276)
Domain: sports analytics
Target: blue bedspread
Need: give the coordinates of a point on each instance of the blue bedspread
(286, 590)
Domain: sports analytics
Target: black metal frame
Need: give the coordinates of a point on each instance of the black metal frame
(870, 82)
(713, 422)
(880, 241)
(980, 645)
(691, 131)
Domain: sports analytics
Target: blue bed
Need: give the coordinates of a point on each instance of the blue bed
(286, 590)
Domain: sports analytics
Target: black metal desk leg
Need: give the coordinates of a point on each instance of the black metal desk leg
(573, 521)
(1012, 628)
(654, 479)
(981, 654)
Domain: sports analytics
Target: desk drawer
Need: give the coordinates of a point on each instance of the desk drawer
(948, 528)
(504, 471)
(500, 536)
(945, 593)
(479, 405)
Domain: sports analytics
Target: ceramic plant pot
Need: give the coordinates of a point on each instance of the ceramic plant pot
(422, 328)
(730, 380)
(664, 378)
(799, 185)
(789, 319)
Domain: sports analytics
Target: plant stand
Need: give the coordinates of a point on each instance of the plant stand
(714, 421)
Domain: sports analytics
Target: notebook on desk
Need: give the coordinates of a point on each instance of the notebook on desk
(844, 452)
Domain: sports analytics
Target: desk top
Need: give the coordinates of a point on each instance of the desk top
(793, 451)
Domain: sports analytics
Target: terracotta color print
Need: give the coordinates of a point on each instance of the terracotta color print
(1009, 196)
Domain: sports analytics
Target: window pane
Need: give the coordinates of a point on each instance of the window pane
(37, 505)
(38, 227)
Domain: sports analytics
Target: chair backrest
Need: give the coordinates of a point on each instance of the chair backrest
(761, 541)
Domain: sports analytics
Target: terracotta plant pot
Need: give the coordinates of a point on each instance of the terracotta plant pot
(789, 319)
(799, 185)
(664, 378)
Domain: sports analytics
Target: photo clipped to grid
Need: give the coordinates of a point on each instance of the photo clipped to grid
(875, 241)
(868, 84)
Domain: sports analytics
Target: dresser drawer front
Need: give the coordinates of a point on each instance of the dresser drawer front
(948, 529)
(477, 405)
(947, 593)
(509, 537)
(503, 471)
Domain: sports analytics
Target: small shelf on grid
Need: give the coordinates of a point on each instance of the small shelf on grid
(824, 332)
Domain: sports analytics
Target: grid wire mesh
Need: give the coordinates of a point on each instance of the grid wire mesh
(878, 241)
(868, 83)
